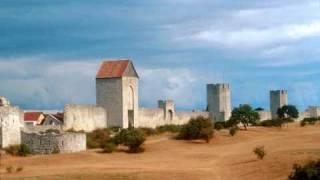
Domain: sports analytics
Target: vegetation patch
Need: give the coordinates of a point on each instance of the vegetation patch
(132, 138)
(169, 128)
(309, 171)
(245, 115)
(18, 150)
(259, 151)
(197, 128)
(98, 138)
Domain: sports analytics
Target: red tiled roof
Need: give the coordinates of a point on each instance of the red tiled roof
(112, 69)
(32, 116)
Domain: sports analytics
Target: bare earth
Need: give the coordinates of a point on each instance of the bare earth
(224, 158)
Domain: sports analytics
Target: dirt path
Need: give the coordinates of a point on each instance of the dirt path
(224, 158)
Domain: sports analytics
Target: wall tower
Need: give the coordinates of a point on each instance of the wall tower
(219, 101)
(278, 98)
(117, 92)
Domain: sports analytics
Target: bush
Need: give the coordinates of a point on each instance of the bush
(198, 128)
(219, 125)
(18, 150)
(309, 171)
(233, 131)
(270, 123)
(311, 121)
(109, 147)
(259, 151)
(132, 138)
(148, 131)
(169, 128)
(97, 138)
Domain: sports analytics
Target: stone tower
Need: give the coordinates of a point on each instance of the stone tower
(278, 98)
(117, 92)
(219, 101)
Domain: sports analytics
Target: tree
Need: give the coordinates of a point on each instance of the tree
(286, 113)
(259, 109)
(244, 114)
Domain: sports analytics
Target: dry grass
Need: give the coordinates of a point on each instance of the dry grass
(224, 157)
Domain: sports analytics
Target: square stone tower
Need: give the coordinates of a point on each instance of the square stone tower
(117, 92)
(219, 101)
(278, 98)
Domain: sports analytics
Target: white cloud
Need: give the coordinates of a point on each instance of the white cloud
(251, 28)
(47, 84)
(257, 37)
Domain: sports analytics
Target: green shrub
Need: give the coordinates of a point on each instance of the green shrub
(169, 128)
(148, 131)
(198, 128)
(219, 125)
(310, 171)
(311, 121)
(270, 123)
(23, 150)
(132, 138)
(18, 150)
(233, 131)
(109, 147)
(97, 138)
(259, 151)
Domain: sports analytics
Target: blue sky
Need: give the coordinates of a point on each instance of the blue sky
(50, 50)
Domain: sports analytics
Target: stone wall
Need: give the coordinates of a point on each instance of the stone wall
(265, 115)
(153, 117)
(84, 117)
(51, 142)
(10, 126)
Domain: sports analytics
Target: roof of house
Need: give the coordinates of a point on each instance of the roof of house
(114, 69)
(32, 116)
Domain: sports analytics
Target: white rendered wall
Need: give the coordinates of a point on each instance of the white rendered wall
(10, 126)
(153, 117)
(84, 117)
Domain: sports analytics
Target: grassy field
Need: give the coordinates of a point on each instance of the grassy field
(225, 157)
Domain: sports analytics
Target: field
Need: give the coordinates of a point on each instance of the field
(225, 157)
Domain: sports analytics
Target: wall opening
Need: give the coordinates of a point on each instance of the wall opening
(170, 115)
(130, 107)
(130, 118)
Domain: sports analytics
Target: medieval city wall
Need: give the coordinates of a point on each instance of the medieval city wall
(265, 115)
(84, 117)
(153, 117)
(10, 126)
(51, 142)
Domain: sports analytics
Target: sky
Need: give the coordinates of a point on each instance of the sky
(50, 50)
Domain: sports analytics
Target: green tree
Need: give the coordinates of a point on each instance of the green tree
(286, 113)
(244, 114)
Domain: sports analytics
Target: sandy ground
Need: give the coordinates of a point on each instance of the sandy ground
(224, 158)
